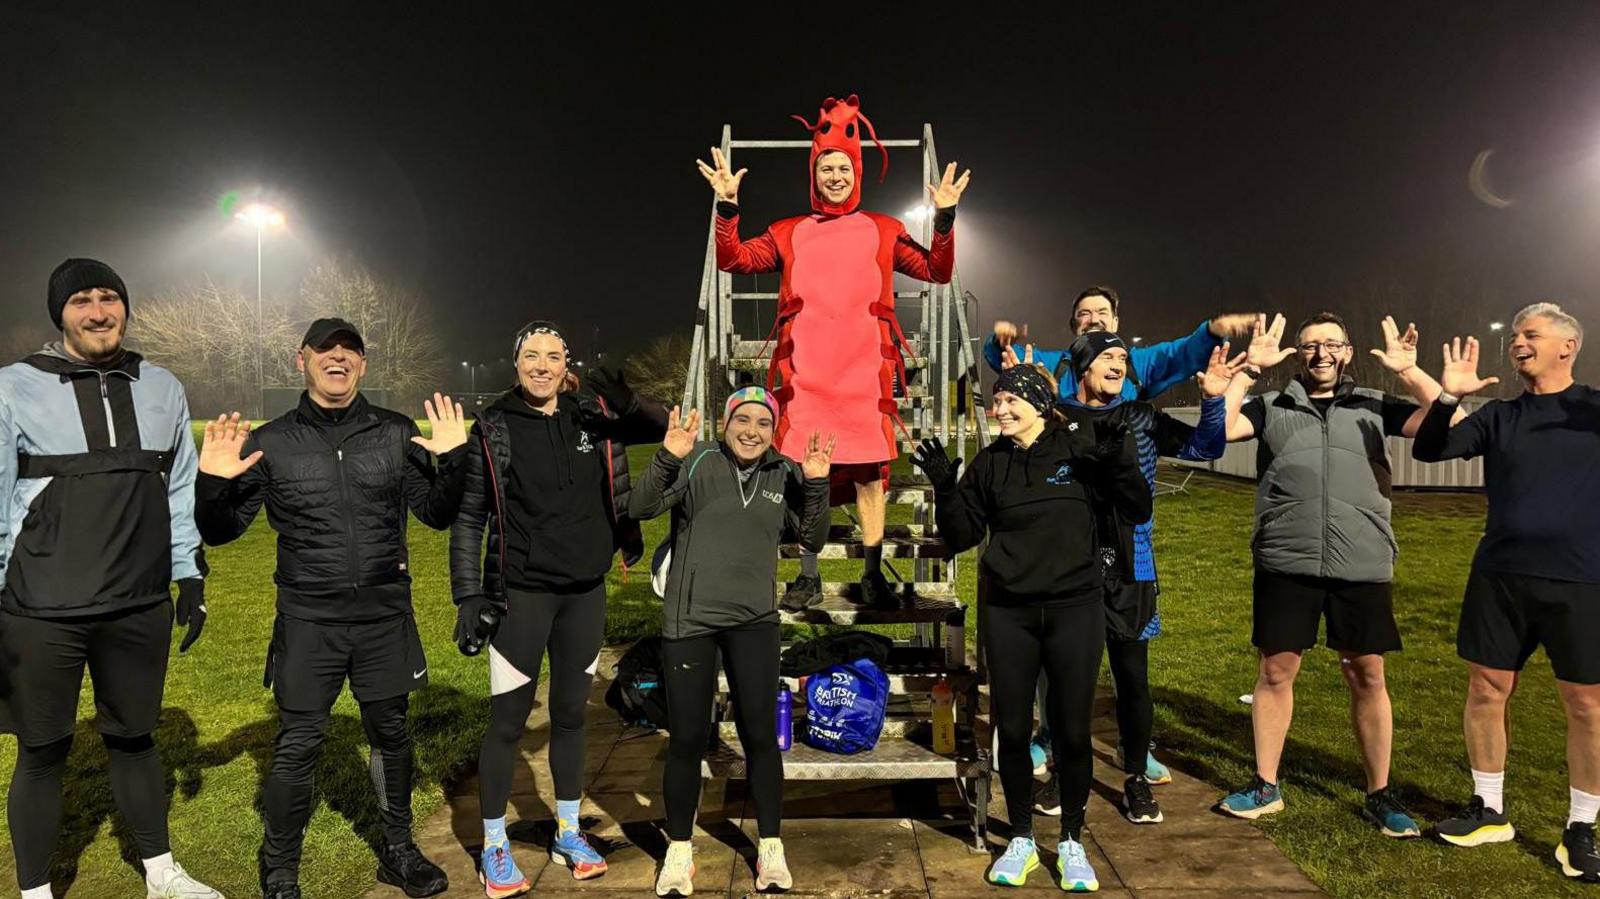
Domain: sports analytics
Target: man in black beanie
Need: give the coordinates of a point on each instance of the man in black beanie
(97, 470)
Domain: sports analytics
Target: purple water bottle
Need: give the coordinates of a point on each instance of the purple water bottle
(785, 718)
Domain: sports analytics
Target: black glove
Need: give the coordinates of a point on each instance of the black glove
(477, 618)
(611, 384)
(191, 609)
(940, 469)
(1109, 439)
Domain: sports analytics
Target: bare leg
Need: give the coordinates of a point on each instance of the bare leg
(1273, 709)
(872, 505)
(1583, 734)
(1488, 705)
(1370, 714)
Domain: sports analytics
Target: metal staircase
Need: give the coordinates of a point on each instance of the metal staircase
(941, 397)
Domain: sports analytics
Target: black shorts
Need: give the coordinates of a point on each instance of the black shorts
(1505, 616)
(41, 671)
(1288, 608)
(308, 661)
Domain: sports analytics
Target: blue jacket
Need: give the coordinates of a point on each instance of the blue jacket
(97, 471)
(1157, 367)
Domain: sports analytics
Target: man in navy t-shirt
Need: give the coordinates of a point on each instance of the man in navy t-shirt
(1535, 580)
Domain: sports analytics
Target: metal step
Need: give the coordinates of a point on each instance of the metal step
(893, 548)
(934, 601)
(901, 754)
(762, 363)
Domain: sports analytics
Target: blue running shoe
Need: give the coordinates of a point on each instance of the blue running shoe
(1021, 858)
(572, 850)
(1385, 811)
(1257, 799)
(1039, 750)
(499, 873)
(1072, 863)
(1155, 772)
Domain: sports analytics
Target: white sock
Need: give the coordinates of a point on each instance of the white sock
(1490, 788)
(1584, 806)
(155, 869)
(39, 893)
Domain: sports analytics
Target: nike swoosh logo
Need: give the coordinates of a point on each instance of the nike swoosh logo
(417, 675)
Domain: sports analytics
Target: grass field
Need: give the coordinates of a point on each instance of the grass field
(218, 724)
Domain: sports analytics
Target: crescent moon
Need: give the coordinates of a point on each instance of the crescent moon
(1478, 182)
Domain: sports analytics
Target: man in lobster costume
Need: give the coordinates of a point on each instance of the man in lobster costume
(839, 344)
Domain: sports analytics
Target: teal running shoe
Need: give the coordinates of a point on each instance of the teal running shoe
(572, 850)
(1257, 799)
(500, 875)
(1039, 750)
(1155, 772)
(1021, 858)
(1385, 811)
(1072, 863)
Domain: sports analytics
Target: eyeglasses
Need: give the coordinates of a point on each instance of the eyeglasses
(1334, 347)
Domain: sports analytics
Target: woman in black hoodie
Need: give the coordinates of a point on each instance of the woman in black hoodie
(1039, 493)
(549, 482)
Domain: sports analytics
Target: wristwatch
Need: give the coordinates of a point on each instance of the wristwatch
(1251, 372)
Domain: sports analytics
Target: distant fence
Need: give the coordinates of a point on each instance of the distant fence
(1240, 461)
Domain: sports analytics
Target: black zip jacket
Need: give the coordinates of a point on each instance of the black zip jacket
(486, 504)
(1040, 507)
(725, 533)
(338, 485)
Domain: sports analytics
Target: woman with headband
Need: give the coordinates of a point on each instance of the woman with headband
(1038, 495)
(548, 480)
(732, 504)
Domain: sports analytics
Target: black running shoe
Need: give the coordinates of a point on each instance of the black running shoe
(1139, 803)
(1475, 826)
(876, 592)
(403, 865)
(1047, 796)
(1577, 853)
(805, 592)
(281, 891)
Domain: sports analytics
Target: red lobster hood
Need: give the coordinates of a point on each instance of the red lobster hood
(836, 131)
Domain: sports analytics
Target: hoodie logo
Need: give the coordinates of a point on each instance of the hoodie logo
(585, 445)
(1062, 476)
(1072, 426)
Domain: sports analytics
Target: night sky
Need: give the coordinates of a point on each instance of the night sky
(516, 165)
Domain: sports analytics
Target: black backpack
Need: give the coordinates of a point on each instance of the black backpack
(637, 692)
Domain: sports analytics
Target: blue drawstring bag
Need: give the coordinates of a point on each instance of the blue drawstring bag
(845, 706)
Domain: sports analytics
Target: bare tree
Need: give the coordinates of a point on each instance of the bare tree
(21, 340)
(660, 370)
(404, 356)
(210, 337)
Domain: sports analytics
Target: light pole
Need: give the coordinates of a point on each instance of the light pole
(1499, 328)
(261, 216)
(472, 377)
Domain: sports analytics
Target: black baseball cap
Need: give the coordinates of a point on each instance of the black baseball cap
(324, 329)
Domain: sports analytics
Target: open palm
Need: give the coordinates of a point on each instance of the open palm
(1219, 372)
(682, 432)
(1460, 375)
(447, 426)
(818, 456)
(1265, 348)
(722, 179)
(948, 191)
(224, 441)
(1399, 351)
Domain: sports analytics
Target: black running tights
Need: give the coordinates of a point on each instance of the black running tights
(1064, 639)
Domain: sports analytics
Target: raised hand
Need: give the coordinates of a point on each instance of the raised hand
(947, 192)
(1006, 333)
(1219, 372)
(1264, 350)
(1460, 375)
(612, 386)
(1010, 359)
(683, 432)
(818, 456)
(939, 468)
(447, 426)
(1233, 324)
(224, 441)
(1399, 353)
(722, 180)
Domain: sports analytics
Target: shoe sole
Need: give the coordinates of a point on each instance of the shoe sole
(1575, 873)
(1041, 769)
(394, 880)
(1391, 834)
(681, 894)
(1270, 808)
(1483, 836)
(1160, 780)
(1022, 879)
(503, 892)
(773, 886)
(1156, 820)
(579, 872)
(1078, 886)
(1052, 812)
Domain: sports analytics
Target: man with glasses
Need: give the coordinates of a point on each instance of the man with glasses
(1323, 545)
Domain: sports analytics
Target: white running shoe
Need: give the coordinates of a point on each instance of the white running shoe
(772, 869)
(177, 884)
(677, 872)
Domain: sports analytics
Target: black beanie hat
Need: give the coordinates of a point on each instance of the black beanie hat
(1088, 348)
(81, 274)
(1027, 383)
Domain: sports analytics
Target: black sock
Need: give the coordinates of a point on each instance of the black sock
(872, 559)
(808, 565)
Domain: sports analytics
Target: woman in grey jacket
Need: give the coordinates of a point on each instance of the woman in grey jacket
(732, 504)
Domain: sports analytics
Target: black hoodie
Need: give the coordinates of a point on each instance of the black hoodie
(1039, 507)
(558, 530)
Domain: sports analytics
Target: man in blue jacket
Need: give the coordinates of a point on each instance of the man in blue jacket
(97, 469)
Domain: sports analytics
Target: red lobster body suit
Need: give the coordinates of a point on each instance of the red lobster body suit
(836, 330)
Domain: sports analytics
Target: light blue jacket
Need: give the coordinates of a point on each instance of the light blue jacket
(1157, 366)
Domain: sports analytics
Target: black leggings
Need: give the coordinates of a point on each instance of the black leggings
(291, 784)
(1130, 672)
(750, 656)
(34, 803)
(571, 626)
(1064, 639)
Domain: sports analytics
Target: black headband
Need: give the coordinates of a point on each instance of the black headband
(539, 327)
(1029, 384)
